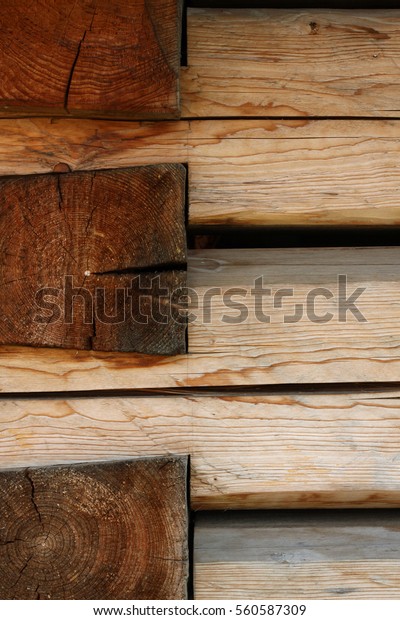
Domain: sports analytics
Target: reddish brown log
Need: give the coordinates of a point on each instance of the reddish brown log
(90, 57)
(103, 531)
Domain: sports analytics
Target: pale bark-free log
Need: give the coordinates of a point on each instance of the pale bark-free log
(282, 450)
(297, 556)
(305, 62)
(95, 531)
(241, 172)
(328, 343)
(90, 58)
(297, 304)
(73, 247)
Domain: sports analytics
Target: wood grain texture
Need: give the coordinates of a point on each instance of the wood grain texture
(292, 556)
(73, 247)
(283, 450)
(241, 172)
(91, 58)
(95, 531)
(302, 313)
(304, 62)
(257, 173)
(252, 352)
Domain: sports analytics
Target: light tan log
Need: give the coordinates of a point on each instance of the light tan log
(292, 63)
(282, 450)
(260, 173)
(296, 555)
(292, 326)
(342, 349)
(241, 172)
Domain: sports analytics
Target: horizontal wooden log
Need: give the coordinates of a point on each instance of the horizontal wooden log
(95, 531)
(91, 59)
(333, 319)
(307, 62)
(241, 172)
(259, 173)
(74, 247)
(299, 304)
(297, 556)
(283, 450)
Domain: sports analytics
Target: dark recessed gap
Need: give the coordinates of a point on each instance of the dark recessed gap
(190, 534)
(338, 515)
(283, 119)
(186, 207)
(373, 387)
(124, 119)
(238, 237)
(186, 166)
(187, 338)
(184, 41)
(292, 4)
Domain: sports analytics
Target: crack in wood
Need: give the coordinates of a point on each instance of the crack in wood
(71, 73)
(32, 485)
(22, 571)
(156, 268)
(11, 542)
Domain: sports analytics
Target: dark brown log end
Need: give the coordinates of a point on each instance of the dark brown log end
(94, 260)
(95, 531)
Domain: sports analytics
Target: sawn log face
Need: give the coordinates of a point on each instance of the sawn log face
(92, 259)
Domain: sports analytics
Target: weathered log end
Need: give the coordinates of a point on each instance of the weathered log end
(98, 531)
(94, 260)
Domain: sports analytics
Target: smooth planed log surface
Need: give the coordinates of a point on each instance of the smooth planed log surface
(315, 334)
(280, 450)
(241, 171)
(73, 247)
(297, 555)
(90, 57)
(95, 531)
(303, 62)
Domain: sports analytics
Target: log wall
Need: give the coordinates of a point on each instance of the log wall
(287, 397)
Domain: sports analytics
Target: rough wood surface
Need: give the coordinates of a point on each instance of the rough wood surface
(289, 556)
(90, 58)
(304, 62)
(302, 314)
(252, 352)
(241, 172)
(95, 531)
(73, 247)
(300, 173)
(281, 450)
